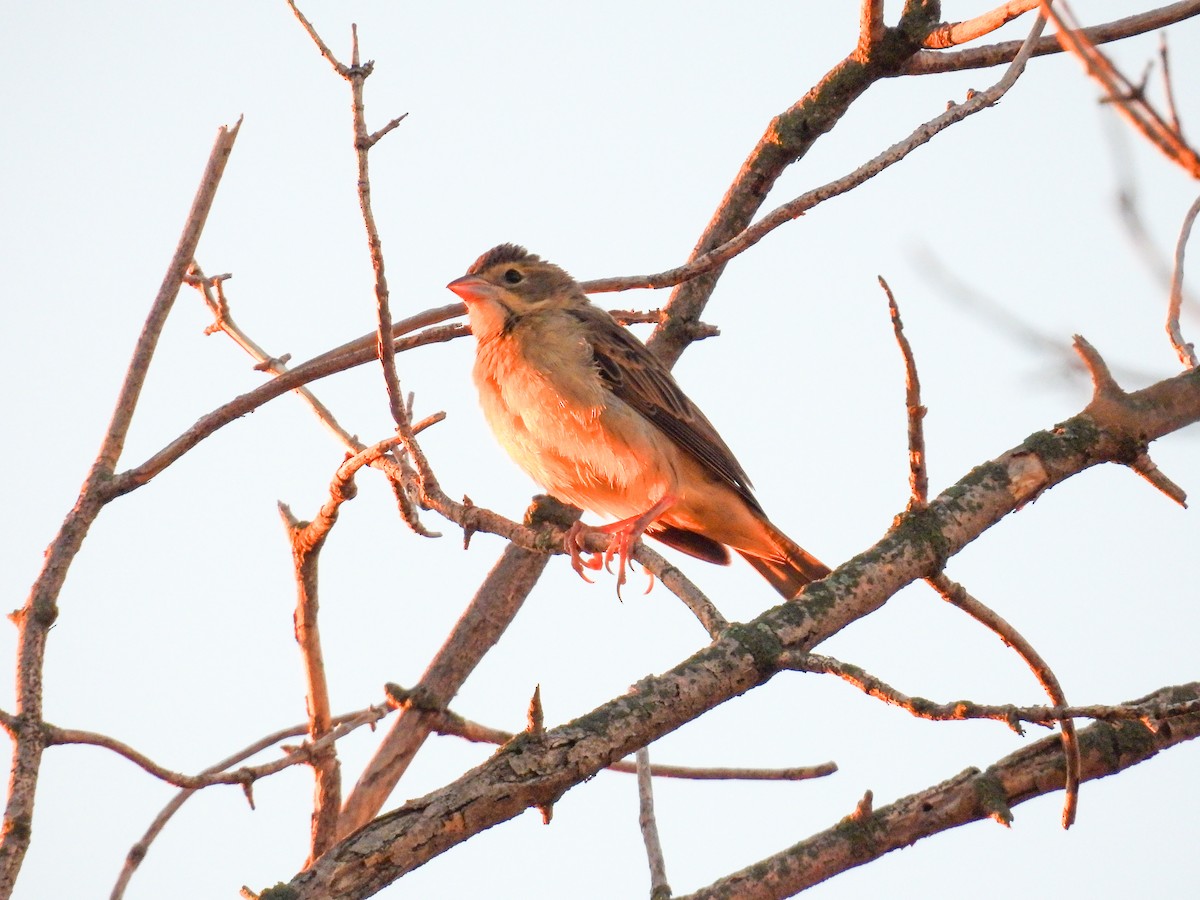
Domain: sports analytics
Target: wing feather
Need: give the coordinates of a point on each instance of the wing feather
(640, 379)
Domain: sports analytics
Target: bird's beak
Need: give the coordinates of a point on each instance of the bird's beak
(472, 288)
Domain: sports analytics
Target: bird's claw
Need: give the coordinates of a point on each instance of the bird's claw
(573, 544)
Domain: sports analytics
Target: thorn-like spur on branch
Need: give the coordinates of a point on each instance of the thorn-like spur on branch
(1115, 412)
(871, 28)
(1145, 467)
(536, 729)
(535, 717)
(864, 808)
(970, 796)
(918, 476)
(951, 34)
(954, 593)
(1185, 350)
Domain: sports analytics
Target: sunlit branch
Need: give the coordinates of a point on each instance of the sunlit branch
(930, 62)
(748, 237)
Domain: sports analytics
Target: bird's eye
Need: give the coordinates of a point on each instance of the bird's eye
(513, 276)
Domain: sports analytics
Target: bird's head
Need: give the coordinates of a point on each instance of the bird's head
(509, 282)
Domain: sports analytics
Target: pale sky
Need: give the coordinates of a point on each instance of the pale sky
(601, 138)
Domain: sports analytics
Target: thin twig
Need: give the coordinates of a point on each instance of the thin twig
(963, 710)
(306, 540)
(1185, 350)
(1164, 57)
(676, 582)
(344, 724)
(449, 723)
(213, 291)
(956, 594)
(1129, 99)
(793, 209)
(347, 356)
(659, 888)
(918, 476)
(356, 75)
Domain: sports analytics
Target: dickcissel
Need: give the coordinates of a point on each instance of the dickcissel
(594, 417)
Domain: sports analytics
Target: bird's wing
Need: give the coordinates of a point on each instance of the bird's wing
(639, 378)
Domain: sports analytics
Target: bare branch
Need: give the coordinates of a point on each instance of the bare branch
(344, 725)
(956, 594)
(524, 774)
(788, 137)
(1185, 350)
(347, 356)
(306, 540)
(929, 62)
(1130, 100)
(1152, 716)
(34, 619)
(918, 476)
(713, 259)
(967, 797)
(449, 723)
(659, 888)
(476, 632)
(1168, 84)
(321, 45)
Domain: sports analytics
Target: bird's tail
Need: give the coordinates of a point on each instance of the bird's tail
(791, 568)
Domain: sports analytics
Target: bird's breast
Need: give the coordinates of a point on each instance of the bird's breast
(544, 399)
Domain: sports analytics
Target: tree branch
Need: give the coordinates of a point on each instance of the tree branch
(930, 62)
(530, 772)
(1107, 748)
(34, 619)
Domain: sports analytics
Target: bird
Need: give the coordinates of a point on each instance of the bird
(598, 420)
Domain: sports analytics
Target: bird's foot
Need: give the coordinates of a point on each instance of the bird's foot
(573, 544)
(623, 537)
